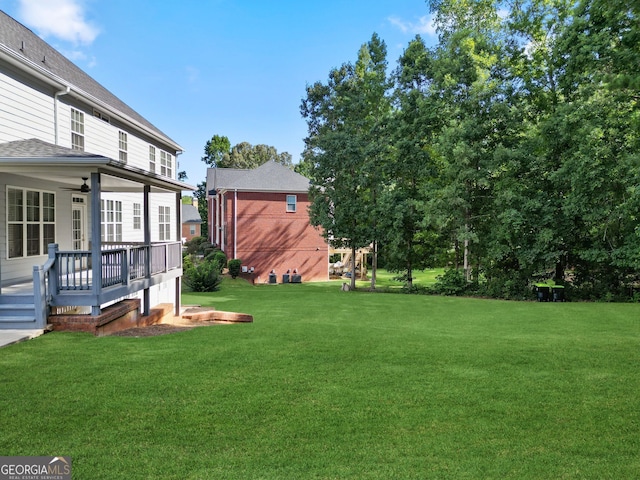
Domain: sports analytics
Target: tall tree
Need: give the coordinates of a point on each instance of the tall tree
(245, 155)
(410, 240)
(216, 150)
(345, 118)
(201, 195)
(469, 96)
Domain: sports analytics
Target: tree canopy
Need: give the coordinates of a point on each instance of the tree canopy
(219, 153)
(509, 149)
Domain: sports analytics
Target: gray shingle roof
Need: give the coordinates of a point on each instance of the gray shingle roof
(190, 214)
(220, 177)
(268, 177)
(30, 46)
(35, 148)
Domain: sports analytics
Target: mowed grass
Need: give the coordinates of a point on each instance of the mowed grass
(386, 279)
(338, 385)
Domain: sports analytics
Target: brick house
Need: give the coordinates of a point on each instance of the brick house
(261, 217)
(191, 221)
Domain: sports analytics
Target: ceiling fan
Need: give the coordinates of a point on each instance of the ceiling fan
(84, 188)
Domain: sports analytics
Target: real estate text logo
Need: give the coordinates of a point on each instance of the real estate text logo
(35, 468)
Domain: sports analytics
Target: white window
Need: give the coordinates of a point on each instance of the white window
(111, 220)
(137, 216)
(164, 223)
(152, 159)
(166, 164)
(77, 130)
(291, 203)
(122, 146)
(30, 222)
(192, 229)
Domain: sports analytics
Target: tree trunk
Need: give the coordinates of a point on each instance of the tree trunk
(467, 273)
(374, 264)
(559, 274)
(353, 267)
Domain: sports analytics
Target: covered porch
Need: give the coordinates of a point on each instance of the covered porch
(82, 271)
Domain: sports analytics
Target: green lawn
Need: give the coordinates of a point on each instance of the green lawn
(334, 385)
(385, 279)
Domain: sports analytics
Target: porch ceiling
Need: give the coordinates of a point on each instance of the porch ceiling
(111, 180)
(37, 159)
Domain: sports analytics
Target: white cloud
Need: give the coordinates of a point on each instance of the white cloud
(424, 25)
(63, 19)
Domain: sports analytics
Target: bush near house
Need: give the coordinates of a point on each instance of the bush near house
(203, 274)
(234, 267)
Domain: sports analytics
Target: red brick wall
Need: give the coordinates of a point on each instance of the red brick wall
(186, 231)
(270, 238)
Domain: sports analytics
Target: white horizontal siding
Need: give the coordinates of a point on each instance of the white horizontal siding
(102, 138)
(24, 112)
(138, 153)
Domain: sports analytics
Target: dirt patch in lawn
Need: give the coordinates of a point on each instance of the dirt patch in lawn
(191, 317)
(152, 330)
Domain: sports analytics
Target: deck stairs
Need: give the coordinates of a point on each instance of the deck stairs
(17, 312)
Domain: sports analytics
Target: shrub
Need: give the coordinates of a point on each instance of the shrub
(234, 267)
(203, 277)
(217, 256)
(452, 282)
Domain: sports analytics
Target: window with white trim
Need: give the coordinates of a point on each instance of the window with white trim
(166, 164)
(164, 222)
(291, 203)
(77, 130)
(111, 220)
(122, 146)
(152, 159)
(137, 216)
(31, 221)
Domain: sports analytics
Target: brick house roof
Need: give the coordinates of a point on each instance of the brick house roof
(268, 177)
(190, 214)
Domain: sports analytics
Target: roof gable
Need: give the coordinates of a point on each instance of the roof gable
(268, 177)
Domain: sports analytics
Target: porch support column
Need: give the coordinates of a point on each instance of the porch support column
(96, 243)
(146, 297)
(179, 238)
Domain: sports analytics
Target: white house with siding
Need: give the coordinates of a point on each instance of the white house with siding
(90, 202)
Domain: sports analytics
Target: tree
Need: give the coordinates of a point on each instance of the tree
(216, 150)
(245, 155)
(462, 82)
(345, 121)
(219, 153)
(410, 239)
(201, 195)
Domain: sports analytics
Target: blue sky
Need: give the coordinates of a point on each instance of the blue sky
(195, 68)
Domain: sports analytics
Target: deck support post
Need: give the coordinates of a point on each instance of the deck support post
(96, 243)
